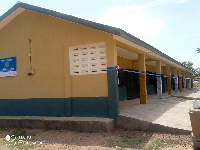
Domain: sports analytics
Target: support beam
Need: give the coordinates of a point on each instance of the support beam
(180, 81)
(176, 80)
(169, 86)
(143, 87)
(159, 79)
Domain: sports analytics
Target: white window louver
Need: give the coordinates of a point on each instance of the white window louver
(88, 59)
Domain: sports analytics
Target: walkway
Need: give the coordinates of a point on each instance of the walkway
(169, 112)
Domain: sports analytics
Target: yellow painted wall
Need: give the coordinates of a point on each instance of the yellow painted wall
(135, 65)
(151, 68)
(51, 39)
(162, 71)
(129, 64)
(124, 63)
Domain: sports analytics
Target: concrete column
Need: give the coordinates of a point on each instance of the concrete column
(184, 81)
(159, 79)
(143, 87)
(111, 53)
(176, 80)
(169, 86)
(187, 81)
(180, 80)
(113, 93)
(190, 80)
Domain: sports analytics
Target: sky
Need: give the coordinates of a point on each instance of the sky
(171, 26)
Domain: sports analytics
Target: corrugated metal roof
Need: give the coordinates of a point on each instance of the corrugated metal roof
(98, 26)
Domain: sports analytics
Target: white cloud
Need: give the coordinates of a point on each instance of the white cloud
(132, 19)
(164, 2)
(181, 1)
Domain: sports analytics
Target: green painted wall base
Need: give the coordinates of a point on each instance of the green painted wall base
(113, 93)
(90, 106)
(67, 107)
(59, 107)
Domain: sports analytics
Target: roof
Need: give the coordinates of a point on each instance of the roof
(98, 26)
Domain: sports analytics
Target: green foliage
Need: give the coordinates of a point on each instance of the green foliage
(157, 144)
(197, 72)
(198, 50)
(19, 132)
(129, 142)
(188, 64)
(133, 140)
(139, 142)
(19, 144)
(196, 86)
(19, 139)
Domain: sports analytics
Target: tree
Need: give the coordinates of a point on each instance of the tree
(188, 64)
(198, 50)
(197, 72)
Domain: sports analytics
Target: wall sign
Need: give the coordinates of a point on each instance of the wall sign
(8, 67)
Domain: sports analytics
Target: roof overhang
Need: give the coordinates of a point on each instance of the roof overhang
(10, 17)
(165, 60)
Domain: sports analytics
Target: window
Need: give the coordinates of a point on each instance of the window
(88, 59)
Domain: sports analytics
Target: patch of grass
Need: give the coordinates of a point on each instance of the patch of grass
(157, 144)
(133, 140)
(196, 86)
(47, 129)
(19, 139)
(128, 142)
(20, 144)
(19, 132)
(2, 126)
(111, 143)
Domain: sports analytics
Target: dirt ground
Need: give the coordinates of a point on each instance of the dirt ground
(115, 140)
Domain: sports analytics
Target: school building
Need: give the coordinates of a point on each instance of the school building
(54, 64)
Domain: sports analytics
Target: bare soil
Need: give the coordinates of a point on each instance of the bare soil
(115, 140)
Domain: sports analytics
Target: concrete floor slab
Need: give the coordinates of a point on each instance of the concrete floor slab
(170, 111)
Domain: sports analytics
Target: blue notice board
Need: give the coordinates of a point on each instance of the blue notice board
(8, 67)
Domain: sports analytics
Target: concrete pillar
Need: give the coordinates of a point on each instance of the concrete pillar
(159, 79)
(113, 93)
(180, 81)
(169, 86)
(112, 53)
(176, 80)
(184, 81)
(189, 81)
(143, 87)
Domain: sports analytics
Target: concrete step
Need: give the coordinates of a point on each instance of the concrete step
(79, 124)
